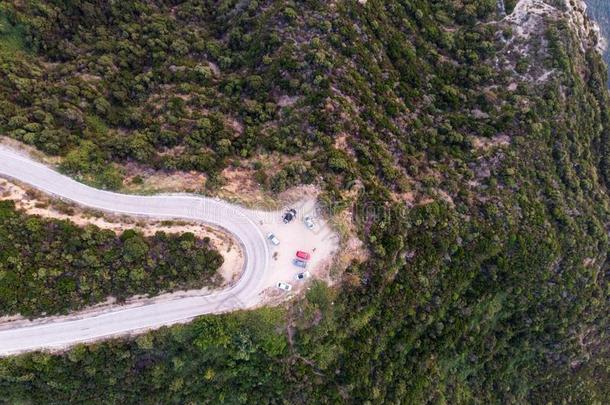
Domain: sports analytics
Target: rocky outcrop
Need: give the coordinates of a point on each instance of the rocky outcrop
(528, 23)
(586, 28)
(528, 17)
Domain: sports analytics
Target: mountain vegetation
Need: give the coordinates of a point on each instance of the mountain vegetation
(472, 155)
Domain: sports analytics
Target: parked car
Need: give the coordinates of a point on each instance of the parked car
(284, 286)
(289, 215)
(303, 255)
(303, 275)
(273, 239)
(300, 263)
(308, 222)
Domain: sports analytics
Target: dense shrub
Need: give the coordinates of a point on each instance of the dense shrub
(51, 266)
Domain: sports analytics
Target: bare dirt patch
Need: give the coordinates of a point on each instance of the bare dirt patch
(142, 180)
(352, 250)
(28, 150)
(87, 77)
(341, 143)
(239, 184)
(408, 197)
(235, 125)
(287, 101)
(485, 144)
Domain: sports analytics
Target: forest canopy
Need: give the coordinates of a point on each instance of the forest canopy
(53, 267)
(481, 156)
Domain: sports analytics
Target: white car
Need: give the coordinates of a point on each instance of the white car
(273, 239)
(308, 222)
(303, 275)
(284, 286)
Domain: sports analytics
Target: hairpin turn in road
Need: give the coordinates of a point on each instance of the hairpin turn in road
(248, 226)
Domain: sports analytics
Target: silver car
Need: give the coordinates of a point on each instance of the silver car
(284, 286)
(273, 239)
(299, 263)
(308, 222)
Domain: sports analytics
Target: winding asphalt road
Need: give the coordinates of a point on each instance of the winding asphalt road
(59, 332)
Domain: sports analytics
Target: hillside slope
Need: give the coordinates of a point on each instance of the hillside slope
(599, 10)
(471, 150)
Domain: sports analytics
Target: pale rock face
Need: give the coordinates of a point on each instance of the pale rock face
(587, 29)
(528, 16)
(528, 21)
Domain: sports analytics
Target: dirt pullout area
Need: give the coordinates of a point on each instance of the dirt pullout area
(321, 242)
(33, 202)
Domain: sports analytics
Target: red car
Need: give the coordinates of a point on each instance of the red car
(303, 255)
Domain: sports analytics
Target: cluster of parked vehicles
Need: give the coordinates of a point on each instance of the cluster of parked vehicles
(301, 258)
(301, 261)
(288, 217)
